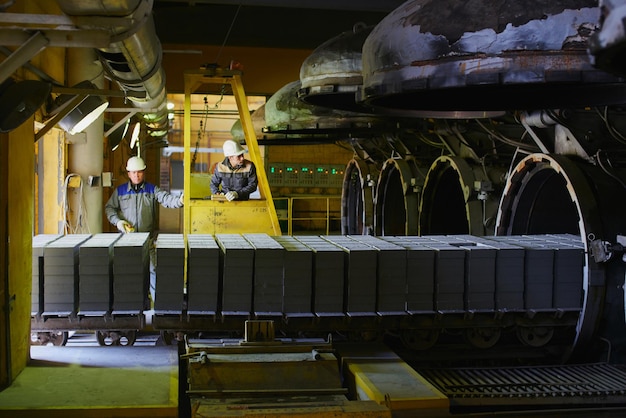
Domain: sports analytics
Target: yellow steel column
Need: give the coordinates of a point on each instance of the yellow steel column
(186, 156)
(253, 149)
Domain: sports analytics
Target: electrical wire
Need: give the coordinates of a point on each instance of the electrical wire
(232, 23)
(508, 141)
(606, 170)
(82, 225)
(614, 132)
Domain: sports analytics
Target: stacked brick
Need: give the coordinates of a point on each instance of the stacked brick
(61, 275)
(509, 273)
(328, 276)
(360, 275)
(131, 269)
(480, 271)
(553, 270)
(268, 275)
(237, 268)
(203, 274)
(449, 275)
(297, 277)
(391, 260)
(39, 243)
(170, 273)
(569, 260)
(96, 274)
(420, 273)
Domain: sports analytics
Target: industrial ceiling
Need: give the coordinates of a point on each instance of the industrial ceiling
(297, 24)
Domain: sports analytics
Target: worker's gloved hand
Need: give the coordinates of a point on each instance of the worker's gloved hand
(231, 196)
(181, 199)
(124, 226)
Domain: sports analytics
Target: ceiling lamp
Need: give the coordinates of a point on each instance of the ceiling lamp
(117, 135)
(20, 100)
(87, 111)
(135, 135)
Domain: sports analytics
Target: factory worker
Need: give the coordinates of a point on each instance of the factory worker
(235, 177)
(132, 207)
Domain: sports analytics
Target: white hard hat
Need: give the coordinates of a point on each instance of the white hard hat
(232, 148)
(135, 164)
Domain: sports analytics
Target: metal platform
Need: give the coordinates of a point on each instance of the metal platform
(542, 387)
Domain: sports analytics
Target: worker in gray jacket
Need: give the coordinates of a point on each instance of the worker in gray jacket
(132, 207)
(235, 177)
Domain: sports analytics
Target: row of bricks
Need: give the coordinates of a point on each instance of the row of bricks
(256, 272)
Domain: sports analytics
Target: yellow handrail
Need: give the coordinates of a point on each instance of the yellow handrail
(290, 210)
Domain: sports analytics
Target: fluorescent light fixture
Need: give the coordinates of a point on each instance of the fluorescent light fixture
(135, 135)
(117, 136)
(83, 115)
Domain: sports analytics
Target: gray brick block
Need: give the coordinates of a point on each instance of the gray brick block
(328, 275)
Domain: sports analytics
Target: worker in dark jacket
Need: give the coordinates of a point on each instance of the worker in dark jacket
(235, 177)
(132, 207)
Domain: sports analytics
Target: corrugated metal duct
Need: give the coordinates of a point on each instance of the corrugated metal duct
(133, 59)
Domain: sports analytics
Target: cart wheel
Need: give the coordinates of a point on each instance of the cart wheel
(166, 337)
(57, 338)
(535, 336)
(483, 337)
(119, 338)
(419, 339)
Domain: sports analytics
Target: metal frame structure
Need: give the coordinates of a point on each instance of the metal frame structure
(212, 216)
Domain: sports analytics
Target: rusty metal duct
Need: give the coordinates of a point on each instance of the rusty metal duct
(332, 74)
(608, 45)
(442, 55)
(133, 59)
(287, 117)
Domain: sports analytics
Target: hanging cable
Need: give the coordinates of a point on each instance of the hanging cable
(82, 225)
(232, 23)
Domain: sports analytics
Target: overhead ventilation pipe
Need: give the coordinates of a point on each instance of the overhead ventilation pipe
(332, 74)
(133, 59)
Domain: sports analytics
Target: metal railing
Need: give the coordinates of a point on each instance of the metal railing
(328, 214)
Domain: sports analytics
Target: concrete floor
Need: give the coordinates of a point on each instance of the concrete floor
(85, 380)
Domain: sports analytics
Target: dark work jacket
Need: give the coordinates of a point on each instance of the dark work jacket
(241, 179)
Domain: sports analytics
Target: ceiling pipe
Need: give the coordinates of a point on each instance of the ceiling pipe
(133, 59)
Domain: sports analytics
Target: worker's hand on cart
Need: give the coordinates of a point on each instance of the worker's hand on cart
(125, 227)
(230, 196)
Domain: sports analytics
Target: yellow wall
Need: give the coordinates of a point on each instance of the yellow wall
(265, 70)
(19, 184)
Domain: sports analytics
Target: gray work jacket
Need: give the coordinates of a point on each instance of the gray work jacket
(138, 207)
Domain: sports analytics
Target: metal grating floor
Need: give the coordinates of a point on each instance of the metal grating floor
(557, 385)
